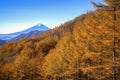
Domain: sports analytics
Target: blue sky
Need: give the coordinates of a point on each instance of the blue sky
(17, 15)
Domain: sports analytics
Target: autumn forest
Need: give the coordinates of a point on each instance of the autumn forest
(86, 48)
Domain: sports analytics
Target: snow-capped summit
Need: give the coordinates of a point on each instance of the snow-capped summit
(38, 27)
(39, 24)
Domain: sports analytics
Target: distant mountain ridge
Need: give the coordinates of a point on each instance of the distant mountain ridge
(31, 34)
(39, 27)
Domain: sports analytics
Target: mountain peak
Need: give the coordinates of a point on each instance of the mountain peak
(40, 24)
(38, 27)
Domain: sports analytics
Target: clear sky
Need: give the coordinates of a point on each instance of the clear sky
(17, 15)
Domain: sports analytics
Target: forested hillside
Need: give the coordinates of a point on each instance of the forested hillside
(86, 48)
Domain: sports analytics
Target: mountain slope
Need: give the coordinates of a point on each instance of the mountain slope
(80, 49)
(39, 27)
(31, 34)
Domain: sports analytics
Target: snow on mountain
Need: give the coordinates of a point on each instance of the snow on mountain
(38, 27)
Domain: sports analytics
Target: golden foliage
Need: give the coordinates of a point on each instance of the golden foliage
(80, 49)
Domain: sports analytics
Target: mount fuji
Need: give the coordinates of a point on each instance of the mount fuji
(38, 27)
